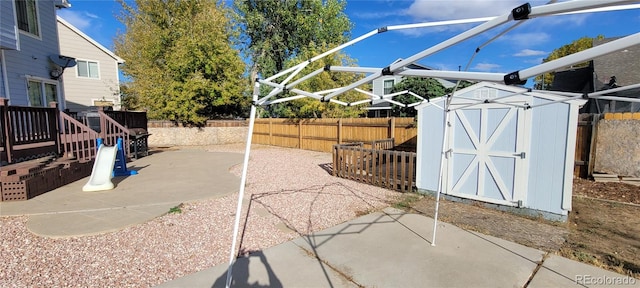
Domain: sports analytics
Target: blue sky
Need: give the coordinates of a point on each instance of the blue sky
(520, 48)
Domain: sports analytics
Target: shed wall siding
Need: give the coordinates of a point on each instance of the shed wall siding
(547, 156)
(431, 125)
(33, 57)
(80, 92)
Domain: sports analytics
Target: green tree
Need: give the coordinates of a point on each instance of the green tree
(424, 87)
(277, 30)
(544, 81)
(180, 60)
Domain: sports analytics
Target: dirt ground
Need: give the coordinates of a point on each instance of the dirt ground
(603, 227)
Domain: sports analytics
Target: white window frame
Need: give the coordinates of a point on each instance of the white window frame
(37, 24)
(80, 61)
(43, 94)
(384, 88)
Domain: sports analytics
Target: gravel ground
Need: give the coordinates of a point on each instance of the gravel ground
(288, 194)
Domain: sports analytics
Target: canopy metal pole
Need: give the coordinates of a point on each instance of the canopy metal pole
(243, 182)
(445, 139)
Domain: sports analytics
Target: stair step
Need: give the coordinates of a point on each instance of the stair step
(26, 167)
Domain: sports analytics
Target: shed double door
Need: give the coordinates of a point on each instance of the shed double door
(487, 153)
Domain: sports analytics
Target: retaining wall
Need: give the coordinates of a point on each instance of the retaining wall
(216, 132)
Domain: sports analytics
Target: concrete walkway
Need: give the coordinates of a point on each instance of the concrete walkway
(393, 249)
(69, 211)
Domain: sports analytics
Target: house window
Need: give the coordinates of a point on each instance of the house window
(41, 93)
(388, 86)
(27, 15)
(88, 69)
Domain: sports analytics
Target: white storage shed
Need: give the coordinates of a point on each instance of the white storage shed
(505, 145)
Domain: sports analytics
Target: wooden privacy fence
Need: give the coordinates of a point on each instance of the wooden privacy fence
(322, 134)
(383, 168)
(585, 144)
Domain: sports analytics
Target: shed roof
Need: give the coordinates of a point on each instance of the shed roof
(516, 90)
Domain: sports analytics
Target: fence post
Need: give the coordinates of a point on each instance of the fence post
(335, 160)
(340, 131)
(56, 126)
(392, 129)
(270, 131)
(300, 134)
(8, 133)
(592, 147)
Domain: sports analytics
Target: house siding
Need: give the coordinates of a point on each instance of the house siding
(378, 84)
(81, 92)
(2, 86)
(32, 60)
(8, 29)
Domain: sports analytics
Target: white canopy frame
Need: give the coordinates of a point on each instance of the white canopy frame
(520, 13)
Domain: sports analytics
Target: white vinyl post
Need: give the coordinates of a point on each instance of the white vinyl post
(243, 182)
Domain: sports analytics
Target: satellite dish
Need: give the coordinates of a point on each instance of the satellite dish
(63, 61)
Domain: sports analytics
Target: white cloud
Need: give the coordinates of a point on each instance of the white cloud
(529, 52)
(567, 20)
(526, 39)
(80, 19)
(378, 15)
(90, 15)
(535, 61)
(486, 67)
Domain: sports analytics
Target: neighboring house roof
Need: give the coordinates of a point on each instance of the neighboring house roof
(90, 40)
(623, 64)
(621, 67)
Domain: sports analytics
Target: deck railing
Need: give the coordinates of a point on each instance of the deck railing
(27, 132)
(76, 139)
(129, 119)
(111, 130)
(34, 132)
(383, 144)
(385, 168)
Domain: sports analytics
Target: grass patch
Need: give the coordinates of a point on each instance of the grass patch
(176, 209)
(406, 201)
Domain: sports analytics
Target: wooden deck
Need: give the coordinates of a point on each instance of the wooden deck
(42, 149)
(29, 179)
